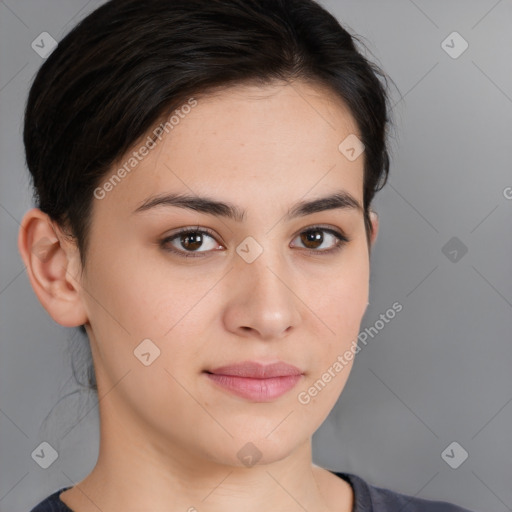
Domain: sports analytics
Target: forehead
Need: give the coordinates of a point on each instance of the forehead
(257, 144)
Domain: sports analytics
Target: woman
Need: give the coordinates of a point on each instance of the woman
(204, 172)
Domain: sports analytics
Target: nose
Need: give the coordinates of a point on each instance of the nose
(262, 301)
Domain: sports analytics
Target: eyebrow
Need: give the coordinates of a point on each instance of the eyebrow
(339, 200)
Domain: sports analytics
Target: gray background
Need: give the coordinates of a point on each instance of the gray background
(438, 372)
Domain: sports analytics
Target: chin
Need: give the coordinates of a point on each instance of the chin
(245, 451)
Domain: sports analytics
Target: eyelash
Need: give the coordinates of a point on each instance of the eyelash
(342, 240)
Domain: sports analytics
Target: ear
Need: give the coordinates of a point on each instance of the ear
(374, 218)
(53, 268)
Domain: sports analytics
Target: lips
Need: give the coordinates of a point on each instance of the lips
(255, 381)
(254, 370)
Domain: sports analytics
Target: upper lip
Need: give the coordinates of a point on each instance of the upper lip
(257, 370)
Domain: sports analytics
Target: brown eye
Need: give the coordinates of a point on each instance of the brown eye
(187, 242)
(314, 238)
(191, 241)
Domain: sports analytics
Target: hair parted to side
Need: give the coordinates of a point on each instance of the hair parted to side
(132, 62)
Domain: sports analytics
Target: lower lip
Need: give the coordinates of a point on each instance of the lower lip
(259, 390)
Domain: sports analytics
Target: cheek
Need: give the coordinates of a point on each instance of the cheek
(341, 307)
(348, 304)
(341, 297)
(129, 302)
(137, 298)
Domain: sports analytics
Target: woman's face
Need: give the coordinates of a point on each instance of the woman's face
(258, 288)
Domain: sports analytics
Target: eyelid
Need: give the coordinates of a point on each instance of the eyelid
(193, 229)
(333, 230)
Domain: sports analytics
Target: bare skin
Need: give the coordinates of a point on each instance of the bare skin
(169, 437)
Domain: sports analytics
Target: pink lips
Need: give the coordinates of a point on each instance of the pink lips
(255, 381)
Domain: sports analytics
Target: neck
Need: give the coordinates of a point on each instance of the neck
(134, 472)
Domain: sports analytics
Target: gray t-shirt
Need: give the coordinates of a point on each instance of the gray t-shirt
(367, 498)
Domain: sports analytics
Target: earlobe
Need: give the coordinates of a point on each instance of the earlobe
(52, 266)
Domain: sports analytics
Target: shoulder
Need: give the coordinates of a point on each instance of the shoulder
(370, 498)
(52, 503)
